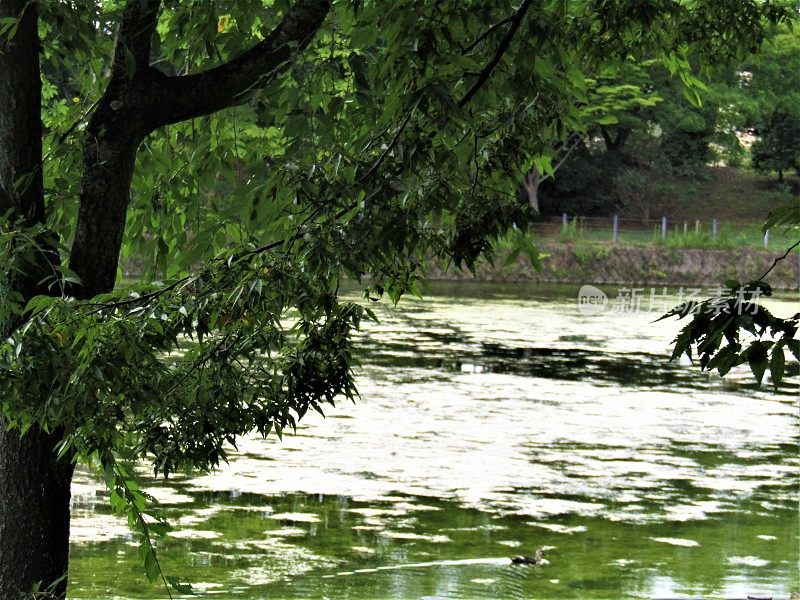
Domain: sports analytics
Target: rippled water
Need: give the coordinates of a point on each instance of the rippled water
(493, 420)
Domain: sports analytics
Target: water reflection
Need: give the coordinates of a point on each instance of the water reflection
(490, 426)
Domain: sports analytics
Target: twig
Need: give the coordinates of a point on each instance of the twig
(142, 299)
(201, 363)
(144, 530)
(486, 72)
(563, 158)
(485, 34)
(779, 259)
(477, 165)
(393, 143)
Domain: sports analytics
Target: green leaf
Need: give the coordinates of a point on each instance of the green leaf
(732, 284)
(8, 28)
(159, 528)
(683, 342)
(607, 120)
(37, 304)
(178, 586)
(725, 359)
(788, 214)
(757, 359)
(777, 365)
(794, 347)
(151, 568)
(512, 257)
(117, 502)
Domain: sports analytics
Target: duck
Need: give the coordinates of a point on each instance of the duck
(536, 559)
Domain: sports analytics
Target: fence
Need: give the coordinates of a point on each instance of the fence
(678, 232)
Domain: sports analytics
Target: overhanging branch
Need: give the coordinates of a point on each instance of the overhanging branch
(486, 72)
(189, 96)
(485, 35)
(779, 259)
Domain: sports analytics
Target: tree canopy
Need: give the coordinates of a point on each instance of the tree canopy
(245, 157)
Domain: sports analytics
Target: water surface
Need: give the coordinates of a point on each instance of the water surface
(493, 420)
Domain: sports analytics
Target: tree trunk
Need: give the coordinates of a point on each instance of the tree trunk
(34, 513)
(34, 484)
(108, 161)
(20, 116)
(530, 183)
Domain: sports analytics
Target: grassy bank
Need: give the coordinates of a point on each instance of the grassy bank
(717, 207)
(681, 234)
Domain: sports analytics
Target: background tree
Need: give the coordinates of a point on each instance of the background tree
(258, 153)
(777, 147)
(660, 123)
(650, 123)
(771, 84)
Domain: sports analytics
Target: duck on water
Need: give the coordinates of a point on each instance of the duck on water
(536, 559)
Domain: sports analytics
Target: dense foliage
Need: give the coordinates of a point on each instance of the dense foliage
(648, 130)
(399, 134)
(772, 88)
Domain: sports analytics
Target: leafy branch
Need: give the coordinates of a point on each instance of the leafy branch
(515, 21)
(714, 333)
(127, 498)
(488, 32)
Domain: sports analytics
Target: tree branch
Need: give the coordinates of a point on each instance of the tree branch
(135, 36)
(779, 259)
(485, 35)
(533, 179)
(229, 84)
(392, 144)
(530, 183)
(486, 72)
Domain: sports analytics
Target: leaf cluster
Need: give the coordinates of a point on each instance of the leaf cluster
(715, 334)
(174, 373)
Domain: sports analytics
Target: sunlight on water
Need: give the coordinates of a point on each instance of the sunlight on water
(491, 423)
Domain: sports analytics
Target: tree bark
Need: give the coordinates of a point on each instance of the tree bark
(530, 183)
(20, 116)
(34, 484)
(109, 155)
(34, 513)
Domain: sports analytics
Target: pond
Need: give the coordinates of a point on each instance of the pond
(493, 420)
